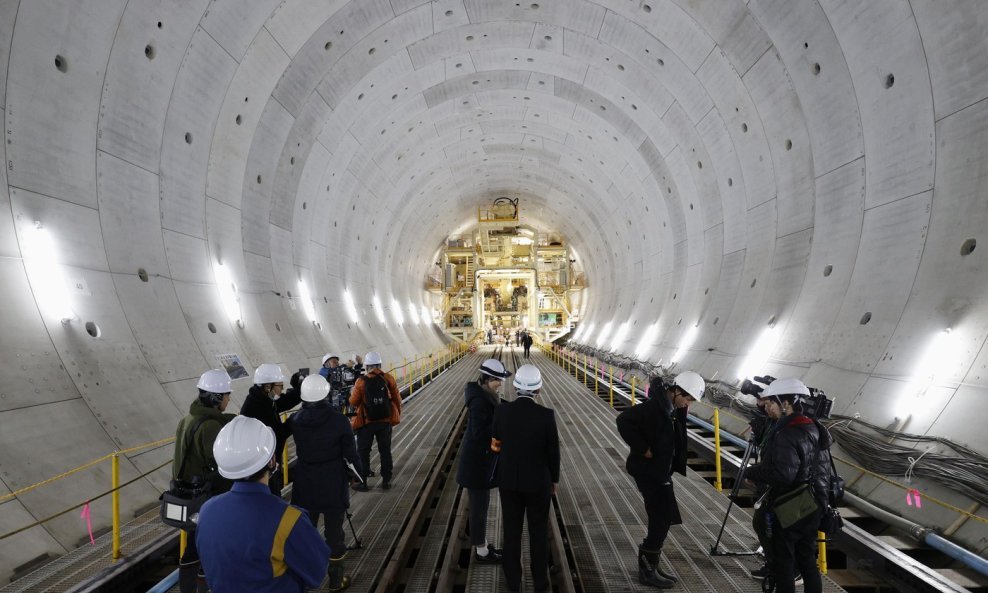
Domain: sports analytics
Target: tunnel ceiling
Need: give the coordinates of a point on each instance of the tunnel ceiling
(813, 166)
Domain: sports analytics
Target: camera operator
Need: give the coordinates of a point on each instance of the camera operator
(761, 427)
(789, 466)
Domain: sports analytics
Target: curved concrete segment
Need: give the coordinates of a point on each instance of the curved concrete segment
(814, 168)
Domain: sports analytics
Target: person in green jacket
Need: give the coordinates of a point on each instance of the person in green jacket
(194, 462)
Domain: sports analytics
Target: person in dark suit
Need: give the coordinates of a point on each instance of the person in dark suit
(525, 437)
(656, 432)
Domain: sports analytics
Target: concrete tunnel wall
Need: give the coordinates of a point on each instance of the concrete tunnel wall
(819, 167)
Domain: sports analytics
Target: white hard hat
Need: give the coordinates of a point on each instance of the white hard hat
(268, 373)
(328, 356)
(492, 367)
(214, 381)
(314, 388)
(528, 378)
(692, 383)
(788, 386)
(243, 447)
(373, 358)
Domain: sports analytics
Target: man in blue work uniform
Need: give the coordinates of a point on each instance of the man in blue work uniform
(250, 540)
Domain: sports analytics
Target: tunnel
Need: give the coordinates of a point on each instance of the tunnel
(804, 182)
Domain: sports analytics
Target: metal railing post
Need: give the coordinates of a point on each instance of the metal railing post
(633, 377)
(115, 504)
(183, 542)
(284, 466)
(822, 552)
(717, 482)
(610, 383)
(585, 370)
(596, 377)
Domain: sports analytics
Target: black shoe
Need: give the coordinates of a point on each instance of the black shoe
(759, 573)
(370, 473)
(492, 557)
(362, 487)
(386, 484)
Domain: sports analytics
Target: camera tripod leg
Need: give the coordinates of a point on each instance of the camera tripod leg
(356, 542)
(714, 550)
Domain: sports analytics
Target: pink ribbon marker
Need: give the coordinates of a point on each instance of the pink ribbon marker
(914, 495)
(85, 514)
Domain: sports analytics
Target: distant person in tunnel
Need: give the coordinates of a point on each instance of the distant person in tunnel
(265, 401)
(476, 464)
(251, 540)
(377, 402)
(526, 439)
(194, 462)
(527, 341)
(656, 432)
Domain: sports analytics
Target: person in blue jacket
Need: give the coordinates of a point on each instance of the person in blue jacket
(476, 464)
(250, 540)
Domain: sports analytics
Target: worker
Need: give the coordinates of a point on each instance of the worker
(377, 404)
(266, 402)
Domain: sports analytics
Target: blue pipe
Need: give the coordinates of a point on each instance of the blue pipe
(166, 583)
(956, 552)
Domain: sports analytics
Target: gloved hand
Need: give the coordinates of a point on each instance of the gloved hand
(296, 381)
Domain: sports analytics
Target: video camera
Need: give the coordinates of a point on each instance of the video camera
(815, 405)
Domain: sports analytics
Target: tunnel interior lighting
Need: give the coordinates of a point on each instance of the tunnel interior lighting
(413, 313)
(425, 315)
(759, 353)
(939, 358)
(396, 312)
(647, 339)
(379, 309)
(620, 335)
(585, 331)
(604, 332)
(45, 274)
(228, 293)
(351, 308)
(306, 298)
(686, 343)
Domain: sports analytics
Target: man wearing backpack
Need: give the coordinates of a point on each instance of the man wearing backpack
(377, 402)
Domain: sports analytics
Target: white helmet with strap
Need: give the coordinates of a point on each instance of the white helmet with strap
(243, 447)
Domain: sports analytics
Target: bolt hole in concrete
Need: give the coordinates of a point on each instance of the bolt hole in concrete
(159, 24)
(317, 324)
(889, 81)
(239, 119)
(788, 144)
(61, 64)
(303, 205)
(744, 127)
(277, 326)
(827, 270)
(816, 69)
(716, 319)
(449, 13)
(149, 51)
(753, 282)
(730, 182)
(212, 327)
(865, 318)
(188, 137)
(328, 45)
(646, 8)
(258, 178)
(968, 247)
(142, 274)
(93, 329)
(771, 321)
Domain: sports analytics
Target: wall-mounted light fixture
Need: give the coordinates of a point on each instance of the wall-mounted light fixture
(413, 313)
(306, 298)
(45, 273)
(684, 345)
(228, 293)
(604, 332)
(379, 309)
(647, 339)
(351, 308)
(939, 358)
(396, 312)
(424, 314)
(759, 353)
(620, 335)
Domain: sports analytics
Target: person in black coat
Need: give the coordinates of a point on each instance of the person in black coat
(527, 341)
(324, 444)
(266, 402)
(656, 432)
(527, 442)
(476, 459)
(792, 457)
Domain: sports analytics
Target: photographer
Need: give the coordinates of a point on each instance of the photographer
(789, 467)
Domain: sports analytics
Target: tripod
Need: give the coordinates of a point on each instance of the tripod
(715, 549)
(356, 542)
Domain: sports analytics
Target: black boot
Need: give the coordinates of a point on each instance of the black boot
(658, 568)
(647, 560)
(337, 581)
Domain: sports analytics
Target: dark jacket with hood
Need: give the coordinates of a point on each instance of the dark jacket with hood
(793, 456)
(654, 425)
(476, 460)
(200, 461)
(260, 405)
(323, 440)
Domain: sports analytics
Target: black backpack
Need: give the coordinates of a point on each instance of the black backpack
(377, 399)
